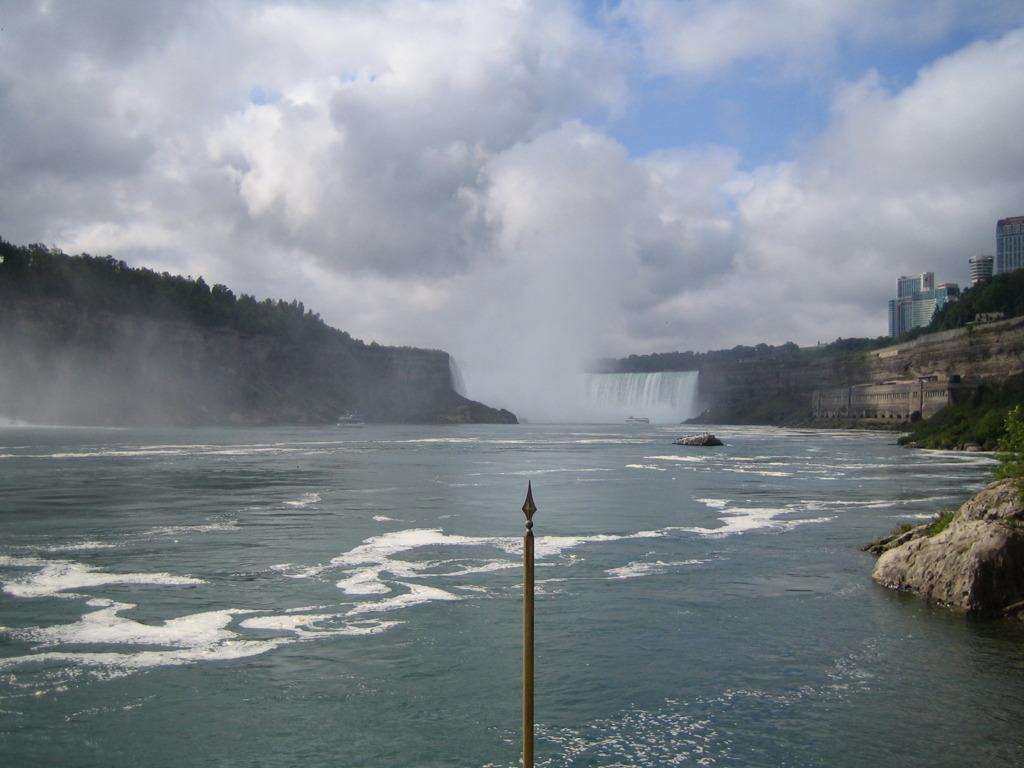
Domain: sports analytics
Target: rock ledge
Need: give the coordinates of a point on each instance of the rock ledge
(975, 566)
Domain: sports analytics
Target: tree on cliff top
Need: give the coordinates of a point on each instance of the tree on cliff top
(1000, 293)
(38, 272)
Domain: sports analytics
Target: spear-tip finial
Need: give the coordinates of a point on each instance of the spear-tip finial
(528, 506)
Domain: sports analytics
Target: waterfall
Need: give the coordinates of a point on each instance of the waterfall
(455, 375)
(667, 397)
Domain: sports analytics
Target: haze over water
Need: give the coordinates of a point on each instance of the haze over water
(325, 597)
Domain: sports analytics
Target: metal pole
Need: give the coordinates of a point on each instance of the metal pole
(528, 508)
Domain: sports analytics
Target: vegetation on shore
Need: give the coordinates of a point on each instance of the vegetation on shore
(905, 532)
(1010, 452)
(977, 424)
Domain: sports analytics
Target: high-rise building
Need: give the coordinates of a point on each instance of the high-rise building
(1009, 245)
(916, 301)
(926, 303)
(908, 285)
(981, 268)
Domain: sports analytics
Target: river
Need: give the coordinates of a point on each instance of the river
(351, 597)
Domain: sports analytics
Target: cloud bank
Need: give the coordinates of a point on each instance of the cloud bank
(462, 175)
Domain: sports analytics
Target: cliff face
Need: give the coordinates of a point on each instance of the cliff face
(763, 379)
(991, 352)
(61, 363)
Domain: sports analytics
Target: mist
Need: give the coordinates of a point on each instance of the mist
(528, 186)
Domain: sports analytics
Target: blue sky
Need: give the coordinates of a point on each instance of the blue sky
(758, 109)
(528, 185)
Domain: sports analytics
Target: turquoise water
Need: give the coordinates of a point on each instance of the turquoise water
(331, 597)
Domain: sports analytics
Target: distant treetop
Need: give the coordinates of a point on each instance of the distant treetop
(692, 361)
(102, 282)
(999, 294)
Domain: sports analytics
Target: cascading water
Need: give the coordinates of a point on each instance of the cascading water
(667, 397)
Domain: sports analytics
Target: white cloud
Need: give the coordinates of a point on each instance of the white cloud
(795, 38)
(438, 173)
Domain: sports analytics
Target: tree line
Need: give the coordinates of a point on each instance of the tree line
(104, 283)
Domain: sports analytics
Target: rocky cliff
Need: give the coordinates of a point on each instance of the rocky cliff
(976, 565)
(984, 352)
(991, 352)
(63, 362)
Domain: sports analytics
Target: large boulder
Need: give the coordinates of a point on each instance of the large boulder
(703, 439)
(976, 565)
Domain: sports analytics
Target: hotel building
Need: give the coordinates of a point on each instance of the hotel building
(917, 299)
(1009, 245)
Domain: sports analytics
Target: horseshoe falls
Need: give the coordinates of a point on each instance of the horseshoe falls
(666, 397)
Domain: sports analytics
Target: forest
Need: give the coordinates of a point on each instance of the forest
(90, 340)
(98, 282)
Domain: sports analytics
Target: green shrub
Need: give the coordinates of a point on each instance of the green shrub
(1010, 453)
(940, 523)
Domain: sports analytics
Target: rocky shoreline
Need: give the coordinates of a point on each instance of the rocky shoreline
(975, 565)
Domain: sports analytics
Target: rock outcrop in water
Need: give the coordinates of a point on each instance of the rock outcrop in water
(703, 439)
(976, 565)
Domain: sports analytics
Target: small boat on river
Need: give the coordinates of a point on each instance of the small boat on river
(350, 420)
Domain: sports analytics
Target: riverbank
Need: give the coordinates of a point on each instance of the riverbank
(971, 560)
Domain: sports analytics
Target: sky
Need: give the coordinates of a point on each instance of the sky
(529, 185)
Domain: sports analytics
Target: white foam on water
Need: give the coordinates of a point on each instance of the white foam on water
(365, 581)
(416, 595)
(184, 640)
(81, 546)
(552, 471)
(682, 459)
(714, 503)
(378, 563)
(306, 500)
(646, 466)
(115, 664)
(375, 567)
(186, 530)
(199, 637)
(107, 626)
(311, 626)
(384, 547)
(745, 519)
(637, 570)
(490, 567)
(53, 578)
(764, 472)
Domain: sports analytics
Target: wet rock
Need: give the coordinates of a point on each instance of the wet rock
(704, 438)
(976, 565)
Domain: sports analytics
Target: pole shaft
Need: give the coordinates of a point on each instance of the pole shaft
(529, 508)
(528, 649)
